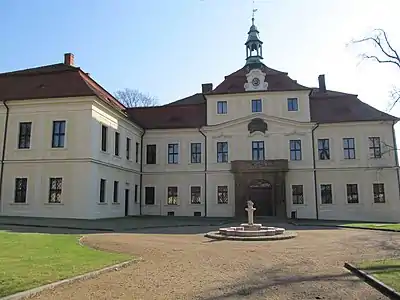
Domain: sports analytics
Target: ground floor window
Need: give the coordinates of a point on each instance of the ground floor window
(55, 190)
(172, 195)
(149, 195)
(297, 194)
(326, 194)
(222, 194)
(195, 194)
(352, 193)
(115, 194)
(102, 191)
(21, 185)
(379, 193)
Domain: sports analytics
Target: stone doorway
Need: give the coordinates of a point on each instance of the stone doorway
(260, 192)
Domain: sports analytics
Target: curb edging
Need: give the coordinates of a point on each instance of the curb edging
(344, 226)
(35, 291)
(375, 283)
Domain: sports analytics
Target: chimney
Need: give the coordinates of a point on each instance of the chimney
(322, 85)
(69, 59)
(206, 88)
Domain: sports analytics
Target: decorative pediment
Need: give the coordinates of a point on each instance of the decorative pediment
(256, 81)
(257, 124)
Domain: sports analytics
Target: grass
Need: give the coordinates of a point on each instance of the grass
(30, 260)
(375, 226)
(387, 271)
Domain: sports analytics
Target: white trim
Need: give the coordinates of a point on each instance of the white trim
(216, 108)
(48, 190)
(201, 153)
(118, 193)
(356, 156)
(145, 154)
(216, 193)
(330, 148)
(107, 138)
(287, 105)
(346, 201)
(291, 196)
(179, 153)
(332, 193)
(105, 191)
(178, 202)
(50, 147)
(144, 195)
(201, 194)
(216, 151)
(26, 194)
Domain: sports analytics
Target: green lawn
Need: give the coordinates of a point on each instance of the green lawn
(374, 225)
(28, 260)
(387, 271)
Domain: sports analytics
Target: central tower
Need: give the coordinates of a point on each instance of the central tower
(253, 45)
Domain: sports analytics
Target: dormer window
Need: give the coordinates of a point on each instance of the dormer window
(256, 105)
(293, 104)
(222, 107)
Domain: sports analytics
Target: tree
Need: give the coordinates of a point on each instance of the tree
(135, 98)
(386, 55)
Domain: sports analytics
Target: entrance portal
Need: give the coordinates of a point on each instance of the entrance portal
(260, 192)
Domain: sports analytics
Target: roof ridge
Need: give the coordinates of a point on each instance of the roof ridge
(164, 106)
(40, 70)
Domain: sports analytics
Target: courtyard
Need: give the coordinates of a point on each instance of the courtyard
(180, 263)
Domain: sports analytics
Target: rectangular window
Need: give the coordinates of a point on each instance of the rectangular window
(295, 149)
(195, 153)
(137, 152)
(172, 195)
(326, 194)
(149, 195)
(375, 147)
(151, 151)
(104, 138)
(222, 194)
(58, 139)
(24, 138)
(293, 104)
(136, 193)
(379, 193)
(257, 149)
(297, 194)
(256, 105)
(323, 149)
(116, 145)
(173, 153)
(128, 148)
(352, 193)
(222, 152)
(195, 194)
(102, 198)
(115, 194)
(55, 190)
(21, 185)
(222, 107)
(349, 148)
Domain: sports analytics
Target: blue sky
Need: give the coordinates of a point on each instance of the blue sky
(169, 48)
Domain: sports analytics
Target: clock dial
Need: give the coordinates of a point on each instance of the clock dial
(255, 81)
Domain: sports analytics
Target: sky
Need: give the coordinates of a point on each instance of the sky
(169, 48)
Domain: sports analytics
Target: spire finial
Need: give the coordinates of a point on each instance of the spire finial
(254, 10)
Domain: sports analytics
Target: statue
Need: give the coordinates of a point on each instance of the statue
(250, 212)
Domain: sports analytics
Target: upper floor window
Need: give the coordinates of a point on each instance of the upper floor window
(24, 138)
(323, 149)
(151, 153)
(128, 148)
(375, 147)
(104, 134)
(352, 193)
(172, 195)
(297, 194)
(257, 148)
(137, 152)
(195, 153)
(173, 153)
(349, 148)
(222, 152)
(58, 139)
(222, 107)
(293, 104)
(326, 194)
(116, 146)
(379, 193)
(21, 185)
(55, 190)
(149, 195)
(256, 105)
(295, 149)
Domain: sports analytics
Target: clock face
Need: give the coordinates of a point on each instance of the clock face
(255, 81)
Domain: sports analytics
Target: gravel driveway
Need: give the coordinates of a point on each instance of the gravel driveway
(189, 266)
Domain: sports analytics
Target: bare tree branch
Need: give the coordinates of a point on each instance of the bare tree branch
(135, 98)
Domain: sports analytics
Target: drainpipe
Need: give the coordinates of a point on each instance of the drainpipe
(205, 172)
(141, 172)
(396, 157)
(4, 151)
(315, 171)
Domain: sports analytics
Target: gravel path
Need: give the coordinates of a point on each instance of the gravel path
(179, 266)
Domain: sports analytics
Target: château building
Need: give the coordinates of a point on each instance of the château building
(69, 149)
